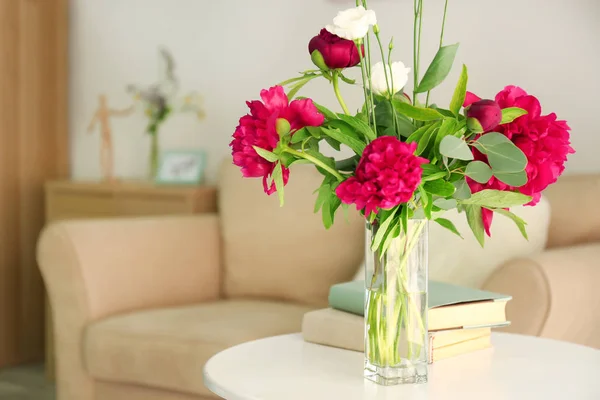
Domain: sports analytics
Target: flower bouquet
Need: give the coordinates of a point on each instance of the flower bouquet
(413, 160)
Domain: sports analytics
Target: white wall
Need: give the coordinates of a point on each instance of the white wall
(230, 49)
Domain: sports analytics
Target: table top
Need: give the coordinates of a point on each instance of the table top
(517, 367)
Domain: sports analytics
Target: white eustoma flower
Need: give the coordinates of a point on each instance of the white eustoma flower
(399, 77)
(353, 23)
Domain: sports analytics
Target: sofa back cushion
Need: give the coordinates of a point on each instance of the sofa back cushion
(284, 252)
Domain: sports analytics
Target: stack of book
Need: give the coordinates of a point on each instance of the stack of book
(460, 319)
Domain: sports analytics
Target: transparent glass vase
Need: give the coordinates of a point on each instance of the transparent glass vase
(396, 339)
(154, 156)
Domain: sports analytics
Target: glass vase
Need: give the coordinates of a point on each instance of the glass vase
(154, 156)
(396, 343)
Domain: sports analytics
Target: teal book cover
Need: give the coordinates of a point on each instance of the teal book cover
(350, 296)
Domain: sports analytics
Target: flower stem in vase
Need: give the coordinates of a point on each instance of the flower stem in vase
(396, 308)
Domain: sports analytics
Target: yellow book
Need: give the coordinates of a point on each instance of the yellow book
(452, 350)
(344, 330)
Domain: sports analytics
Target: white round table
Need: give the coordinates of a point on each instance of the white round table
(517, 367)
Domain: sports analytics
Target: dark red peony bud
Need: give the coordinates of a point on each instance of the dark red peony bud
(335, 51)
(483, 116)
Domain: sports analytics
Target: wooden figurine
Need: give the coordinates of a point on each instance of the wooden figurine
(102, 117)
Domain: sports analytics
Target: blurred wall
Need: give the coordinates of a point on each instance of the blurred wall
(230, 49)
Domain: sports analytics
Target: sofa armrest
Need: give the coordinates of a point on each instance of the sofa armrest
(96, 268)
(115, 266)
(555, 294)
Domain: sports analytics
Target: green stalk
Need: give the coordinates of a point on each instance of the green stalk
(388, 81)
(338, 94)
(415, 50)
(314, 161)
(364, 78)
(441, 42)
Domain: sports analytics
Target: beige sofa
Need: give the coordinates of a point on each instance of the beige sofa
(139, 305)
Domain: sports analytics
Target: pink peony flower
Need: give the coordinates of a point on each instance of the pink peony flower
(543, 138)
(259, 129)
(387, 175)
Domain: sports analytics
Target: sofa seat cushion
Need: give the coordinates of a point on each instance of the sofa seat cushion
(167, 348)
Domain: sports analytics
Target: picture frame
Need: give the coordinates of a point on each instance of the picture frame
(181, 167)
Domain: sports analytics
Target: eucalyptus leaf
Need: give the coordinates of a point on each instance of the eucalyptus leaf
(445, 204)
(479, 171)
(448, 127)
(266, 154)
(503, 155)
(512, 113)
(438, 69)
(515, 179)
(463, 191)
(417, 113)
(446, 223)
(278, 179)
(439, 188)
(475, 221)
(460, 92)
(453, 147)
(521, 224)
(490, 198)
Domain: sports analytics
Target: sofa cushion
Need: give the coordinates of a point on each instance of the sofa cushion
(284, 252)
(167, 348)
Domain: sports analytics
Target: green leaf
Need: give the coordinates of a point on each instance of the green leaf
(511, 113)
(330, 115)
(425, 202)
(404, 218)
(521, 224)
(345, 128)
(439, 188)
(356, 145)
(417, 113)
(438, 69)
(360, 126)
(390, 236)
(314, 131)
(476, 223)
(300, 135)
(453, 147)
(479, 171)
(448, 225)
(490, 198)
(278, 179)
(296, 88)
(516, 179)
(460, 92)
(323, 191)
(425, 139)
(329, 161)
(503, 155)
(433, 177)
(266, 154)
(383, 228)
(463, 191)
(333, 143)
(418, 134)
